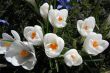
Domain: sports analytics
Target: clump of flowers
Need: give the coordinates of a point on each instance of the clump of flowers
(22, 53)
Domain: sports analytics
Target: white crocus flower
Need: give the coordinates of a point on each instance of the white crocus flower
(94, 44)
(86, 26)
(21, 54)
(53, 45)
(34, 34)
(7, 40)
(44, 10)
(58, 18)
(72, 58)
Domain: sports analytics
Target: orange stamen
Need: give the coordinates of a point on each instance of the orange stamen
(24, 53)
(53, 46)
(60, 18)
(33, 35)
(95, 44)
(85, 27)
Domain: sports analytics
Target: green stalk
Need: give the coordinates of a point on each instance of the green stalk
(54, 30)
(56, 63)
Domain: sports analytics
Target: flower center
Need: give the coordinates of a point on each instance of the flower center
(85, 27)
(24, 53)
(73, 56)
(33, 35)
(60, 19)
(95, 44)
(53, 46)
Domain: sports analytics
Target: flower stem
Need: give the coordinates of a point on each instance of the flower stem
(56, 63)
(54, 30)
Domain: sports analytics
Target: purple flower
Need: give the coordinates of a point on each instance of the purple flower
(3, 22)
(64, 4)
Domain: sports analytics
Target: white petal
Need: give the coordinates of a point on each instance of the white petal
(12, 55)
(90, 21)
(50, 53)
(14, 61)
(30, 45)
(64, 13)
(15, 34)
(44, 10)
(52, 16)
(87, 46)
(104, 44)
(79, 25)
(29, 65)
(60, 25)
(60, 43)
(50, 37)
(94, 35)
(27, 29)
(83, 32)
(39, 31)
(51, 7)
(69, 61)
(8, 59)
(3, 50)
(38, 39)
(7, 37)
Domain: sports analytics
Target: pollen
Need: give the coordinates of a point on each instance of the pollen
(95, 44)
(24, 53)
(60, 18)
(53, 46)
(33, 35)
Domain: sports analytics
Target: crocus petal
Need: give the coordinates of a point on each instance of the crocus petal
(72, 61)
(53, 38)
(38, 37)
(13, 55)
(7, 37)
(90, 21)
(87, 26)
(51, 16)
(39, 30)
(96, 47)
(61, 44)
(15, 34)
(104, 44)
(14, 61)
(54, 15)
(44, 10)
(79, 25)
(29, 65)
(64, 13)
(2, 50)
(50, 37)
